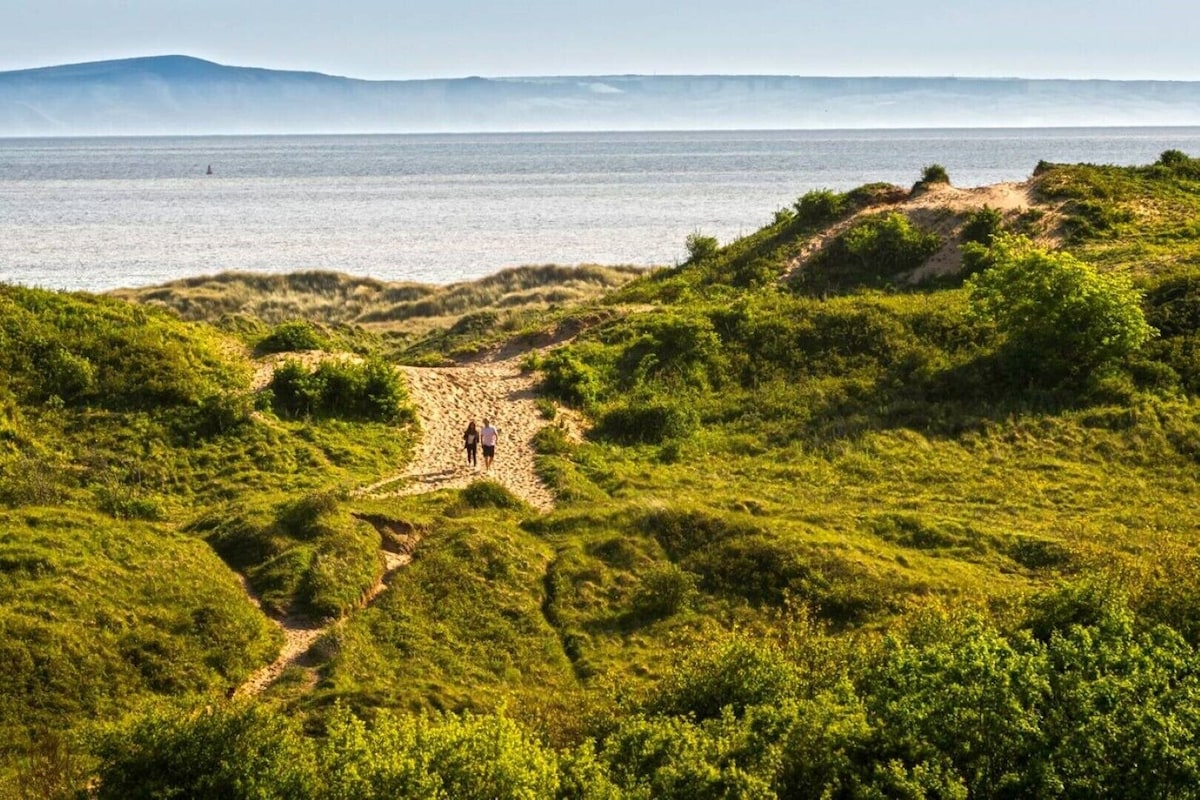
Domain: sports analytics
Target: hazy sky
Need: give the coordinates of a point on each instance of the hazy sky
(400, 39)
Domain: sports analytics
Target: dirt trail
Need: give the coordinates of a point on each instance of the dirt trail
(301, 633)
(447, 398)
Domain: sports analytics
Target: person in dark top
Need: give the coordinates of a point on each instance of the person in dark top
(470, 441)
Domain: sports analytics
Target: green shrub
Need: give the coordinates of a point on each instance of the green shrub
(468, 757)
(982, 225)
(673, 347)
(934, 173)
(758, 568)
(738, 674)
(292, 337)
(1060, 317)
(664, 591)
(820, 207)
(566, 377)
(546, 408)
(871, 252)
(371, 390)
(700, 248)
(872, 194)
(551, 440)
(237, 752)
(648, 422)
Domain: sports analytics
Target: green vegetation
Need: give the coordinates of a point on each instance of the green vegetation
(1060, 318)
(932, 174)
(291, 337)
(830, 532)
(872, 252)
(370, 391)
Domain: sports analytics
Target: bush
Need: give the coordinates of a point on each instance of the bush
(469, 757)
(291, 337)
(1060, 318)
(872, 252)
(371, 390)
(566, 377)
(820, 206)
(551, 440)
(737, 675)
(650, 422)
(934, 173)
(700, 247)
(664, 591)
(236, 752)
(982, 225)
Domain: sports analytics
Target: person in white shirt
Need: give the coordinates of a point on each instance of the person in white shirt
(487, 438)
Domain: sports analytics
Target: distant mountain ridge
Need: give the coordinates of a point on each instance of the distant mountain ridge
(184, 95)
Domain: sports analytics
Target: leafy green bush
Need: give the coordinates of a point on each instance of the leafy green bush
(551, 440)
(647, 422)
(292, 337)
(1060, 318)
(678, 347)
(566, 377)
(371, 390)
(871, 252)
(934, 173)
(737, 675)
(820, 207)
(95, 351)
(664, 591)
(469, 757)
(758, 568)
(238, 752)
(700, 247)
(983, 224)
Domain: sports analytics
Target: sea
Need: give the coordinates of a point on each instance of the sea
(101, 213)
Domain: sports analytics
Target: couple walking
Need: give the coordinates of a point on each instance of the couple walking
(487, 437)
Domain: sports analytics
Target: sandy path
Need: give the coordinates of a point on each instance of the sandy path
(301, 634)
(447, 398)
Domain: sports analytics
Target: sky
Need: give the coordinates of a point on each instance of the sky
(406, 39)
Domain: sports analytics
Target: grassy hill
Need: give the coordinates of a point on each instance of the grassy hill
(896, 496)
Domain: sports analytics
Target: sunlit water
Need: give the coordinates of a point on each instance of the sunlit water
(107, 212)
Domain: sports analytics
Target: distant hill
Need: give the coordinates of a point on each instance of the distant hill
(183, 95)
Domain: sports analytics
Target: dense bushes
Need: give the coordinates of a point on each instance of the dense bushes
(1061, 318)
(820, 207)
(982, 225)
(240, 753)
(370, 390)
(946, 706)
(647, 422)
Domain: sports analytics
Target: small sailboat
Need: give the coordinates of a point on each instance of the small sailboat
(209, 170)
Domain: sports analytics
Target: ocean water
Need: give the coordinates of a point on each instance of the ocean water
(101, 213)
